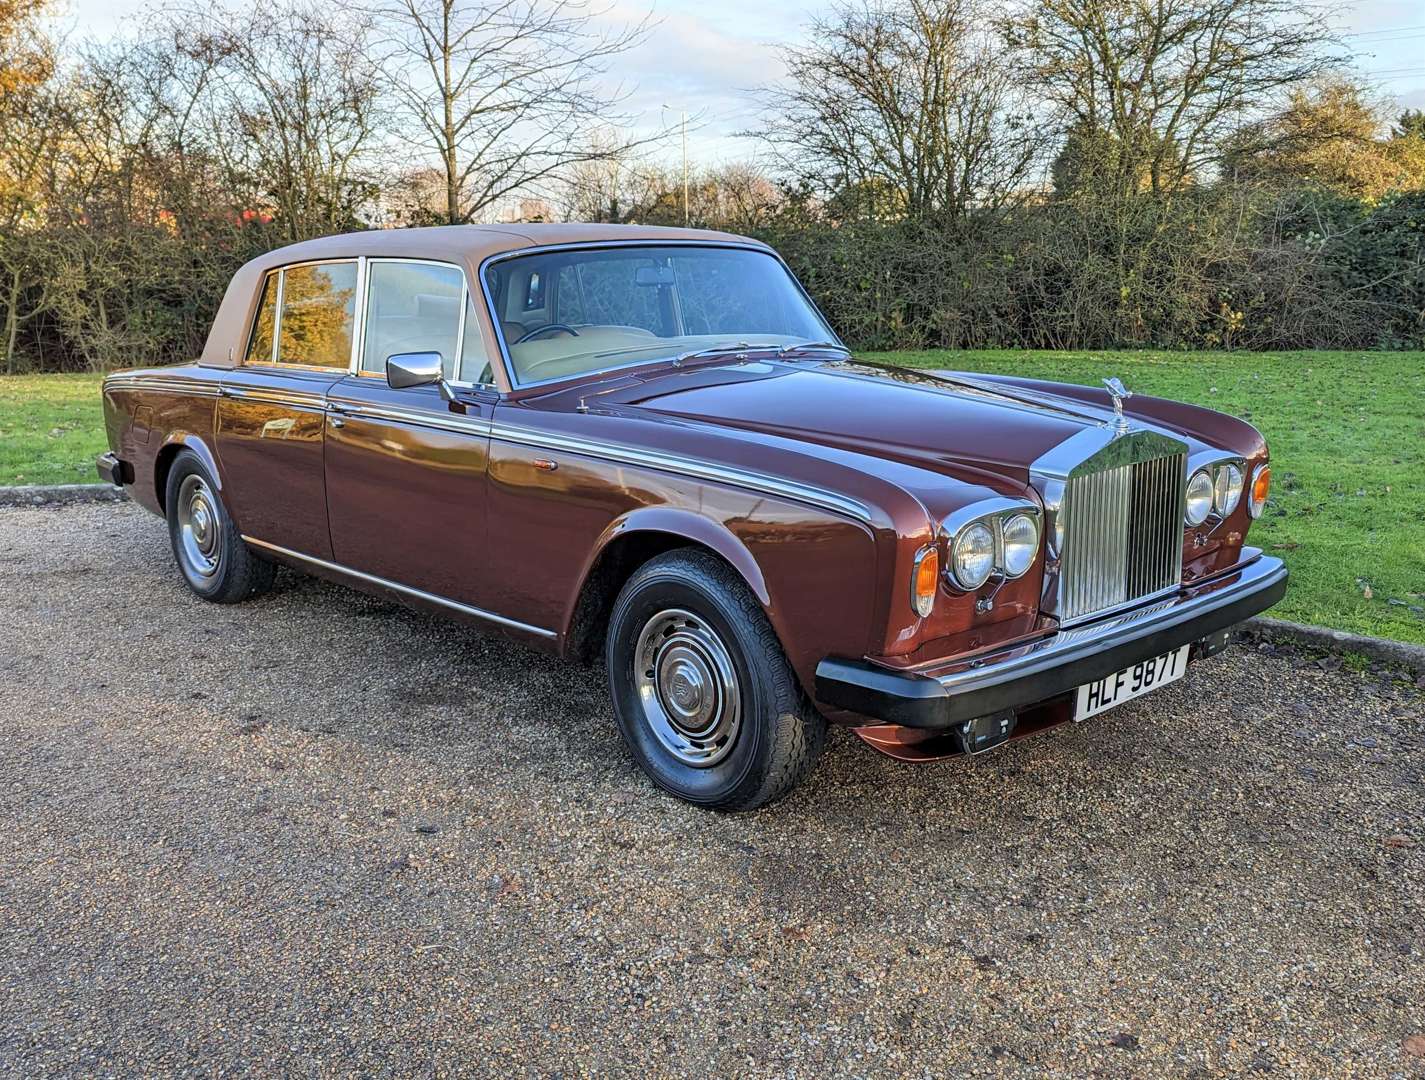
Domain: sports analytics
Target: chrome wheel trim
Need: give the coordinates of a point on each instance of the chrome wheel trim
(688, 688)
(200, 526)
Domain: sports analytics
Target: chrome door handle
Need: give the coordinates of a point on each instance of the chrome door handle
(336, 420)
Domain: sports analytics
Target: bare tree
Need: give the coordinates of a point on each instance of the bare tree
(1165, 81)
(907, 102)
(505, 93)
(294, 110)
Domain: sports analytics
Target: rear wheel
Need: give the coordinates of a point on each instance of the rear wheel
(702, 692)
(214, 560)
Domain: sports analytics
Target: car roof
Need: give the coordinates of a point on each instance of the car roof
(475, 242)
(461, 244)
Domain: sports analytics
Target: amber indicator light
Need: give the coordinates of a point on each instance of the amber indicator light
(927, 579)
(1261, 485)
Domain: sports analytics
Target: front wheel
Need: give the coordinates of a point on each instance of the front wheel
(702, 692)
(216, 563)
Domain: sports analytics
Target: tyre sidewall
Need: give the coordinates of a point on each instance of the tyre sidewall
(745, 765)
(210, 588)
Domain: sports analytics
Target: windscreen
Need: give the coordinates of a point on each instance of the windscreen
(569, 313)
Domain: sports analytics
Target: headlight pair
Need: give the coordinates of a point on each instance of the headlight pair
(1005, 542)
(1213, 488)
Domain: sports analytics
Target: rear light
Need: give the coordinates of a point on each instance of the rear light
(924, 580)
(1261, 487)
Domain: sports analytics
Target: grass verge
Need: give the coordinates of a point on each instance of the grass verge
(1347, 432)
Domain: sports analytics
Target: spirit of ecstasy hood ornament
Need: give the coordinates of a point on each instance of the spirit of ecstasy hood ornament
(1120, 394)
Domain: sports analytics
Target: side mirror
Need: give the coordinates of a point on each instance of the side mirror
(409, 369)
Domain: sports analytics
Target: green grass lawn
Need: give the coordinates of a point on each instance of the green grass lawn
(1347, 432)
(51, 429)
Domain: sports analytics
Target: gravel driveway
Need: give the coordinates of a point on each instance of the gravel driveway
(317, 834)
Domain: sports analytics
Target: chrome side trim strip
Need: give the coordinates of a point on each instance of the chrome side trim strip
(164, 386)
(407, 590)
(627, 455)
(292, 399)
(465, 426)
(653, 459)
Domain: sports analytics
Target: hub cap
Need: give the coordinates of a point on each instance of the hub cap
(200, 529)
(688, 687)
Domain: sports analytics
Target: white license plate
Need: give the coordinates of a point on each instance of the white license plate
(1096, 697)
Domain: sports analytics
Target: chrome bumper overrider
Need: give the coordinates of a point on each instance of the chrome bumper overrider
(1026, 674)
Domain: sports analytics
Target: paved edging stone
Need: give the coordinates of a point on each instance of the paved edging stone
(1400, 653)
(60, 494)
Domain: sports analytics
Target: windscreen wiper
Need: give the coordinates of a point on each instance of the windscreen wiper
(802, 346)
(728, 347)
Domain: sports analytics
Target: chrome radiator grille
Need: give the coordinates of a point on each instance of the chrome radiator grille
(1123, 534)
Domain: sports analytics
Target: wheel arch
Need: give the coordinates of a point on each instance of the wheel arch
(627, 544)
(163, 462)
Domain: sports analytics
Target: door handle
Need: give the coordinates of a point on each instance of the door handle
(337, 421)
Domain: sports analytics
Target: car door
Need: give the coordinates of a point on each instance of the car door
(271, 416)
(405, 469)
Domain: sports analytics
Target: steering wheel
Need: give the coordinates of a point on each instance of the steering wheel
(546, 329)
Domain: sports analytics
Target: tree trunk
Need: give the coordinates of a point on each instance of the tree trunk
(12, 321)
(452, 176)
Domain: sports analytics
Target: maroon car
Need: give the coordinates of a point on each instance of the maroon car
(647, 446)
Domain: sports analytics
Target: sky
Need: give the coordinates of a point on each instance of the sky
(706, 57)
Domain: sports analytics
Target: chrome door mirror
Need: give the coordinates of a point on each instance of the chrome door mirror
(409, 369)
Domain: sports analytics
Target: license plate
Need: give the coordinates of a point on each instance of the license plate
(1096, 697)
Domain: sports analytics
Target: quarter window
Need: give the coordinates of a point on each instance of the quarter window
(474, 361)
(412, 307)
(318, 315)
(259, 348)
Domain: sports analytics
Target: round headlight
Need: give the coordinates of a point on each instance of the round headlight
(973, 559)
(1199, 497)
(1227, 489)
(1021, 544)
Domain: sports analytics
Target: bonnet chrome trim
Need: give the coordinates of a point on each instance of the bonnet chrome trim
(406, 590)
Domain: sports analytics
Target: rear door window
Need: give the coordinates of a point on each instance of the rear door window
(318, 315)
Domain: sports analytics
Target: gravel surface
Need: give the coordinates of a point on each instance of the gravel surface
(316, 834)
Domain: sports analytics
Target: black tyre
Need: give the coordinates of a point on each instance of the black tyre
(212, 557)
(702, 692)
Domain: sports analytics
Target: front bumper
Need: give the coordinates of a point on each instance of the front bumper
(948, 695)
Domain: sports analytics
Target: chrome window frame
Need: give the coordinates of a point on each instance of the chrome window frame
(596, 245)
(281, 272)
(359, 345)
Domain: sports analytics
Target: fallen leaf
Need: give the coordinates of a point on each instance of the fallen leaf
(1414, 1045)
(1399, 840)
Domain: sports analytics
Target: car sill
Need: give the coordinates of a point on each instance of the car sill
(405, 590)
